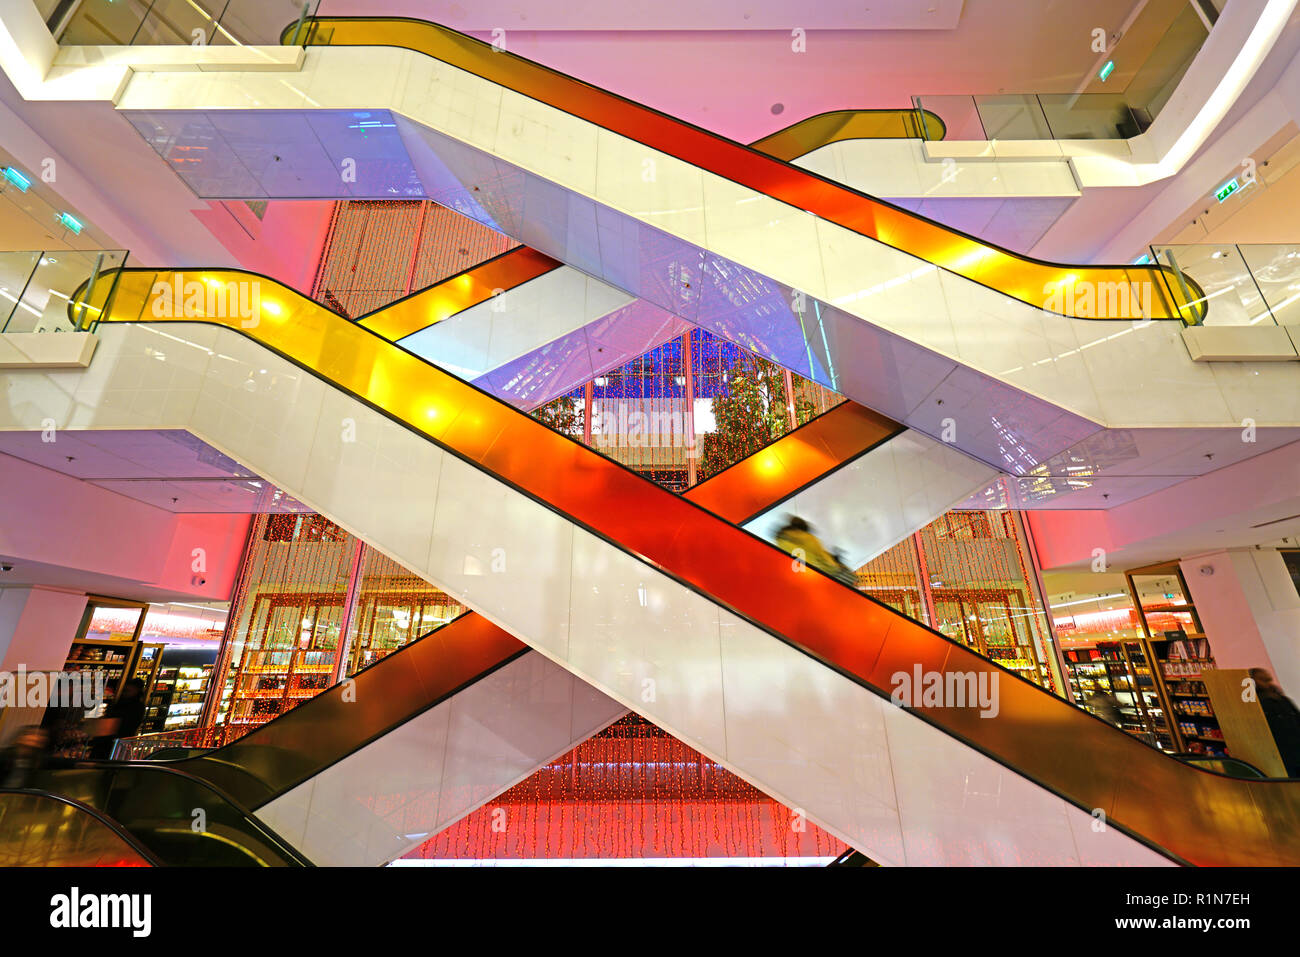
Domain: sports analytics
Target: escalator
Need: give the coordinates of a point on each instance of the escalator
(529, 341)
(781, 674)
(327, 736)
(393, 705)
(1051, 373)
(39, 829)
(135, 814)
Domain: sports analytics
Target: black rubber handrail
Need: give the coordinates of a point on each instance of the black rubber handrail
(122, 834)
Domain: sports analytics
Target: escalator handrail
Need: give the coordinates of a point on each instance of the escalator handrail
(263, 792)
(1188, 757)
(255, 824)
(121, 833)
(823, 625)
(802, 189)
(838, 121)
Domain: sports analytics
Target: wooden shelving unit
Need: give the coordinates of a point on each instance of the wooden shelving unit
(117, 655)
(1178, 649)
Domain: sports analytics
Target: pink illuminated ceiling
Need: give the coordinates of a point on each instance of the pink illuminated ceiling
(729, 67)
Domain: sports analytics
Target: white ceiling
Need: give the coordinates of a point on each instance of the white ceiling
(170, 470)
(589, 15)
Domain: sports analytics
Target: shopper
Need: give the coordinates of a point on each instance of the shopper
(28, 753)
(1283, 719)
(1104, 707)
(796, 537)
(122, 719)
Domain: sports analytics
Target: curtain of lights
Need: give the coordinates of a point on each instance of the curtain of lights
(305, 582)
(379, 251)
(977, 589)
(394, 606)
(644, 415)
(631, 791)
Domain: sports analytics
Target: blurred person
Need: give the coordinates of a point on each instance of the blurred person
(121, 719)
(27, 754)
(796, 537)
(1283, 719)
(1105, 708)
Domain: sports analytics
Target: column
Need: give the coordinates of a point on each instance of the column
(37, 626)
(588, 394)
(789, 400)
(1250, 611)
(348, 617)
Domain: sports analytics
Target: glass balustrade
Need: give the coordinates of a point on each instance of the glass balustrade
(36, 288)
(177, 22)
(1239, 285)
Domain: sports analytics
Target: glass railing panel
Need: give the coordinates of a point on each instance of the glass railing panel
(960, 116)
(1013, 116)
(1090, 116)
(180, 819)
(104, 23)
(45, 303)
(1231, 767)
(1228, 294)
(182, 22)
(39, 300)
(807, 135)
(1166, 62)
(1276, 271)
(442, 301)
(16, 269)
(171, 22)
(41, 830)
(162, 744)
(1041, 285)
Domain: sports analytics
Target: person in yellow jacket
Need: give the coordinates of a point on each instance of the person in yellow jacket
(797, 538)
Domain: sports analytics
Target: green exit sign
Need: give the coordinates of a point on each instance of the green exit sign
(1227, 189)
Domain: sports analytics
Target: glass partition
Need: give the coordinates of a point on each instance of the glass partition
(1091, 116)
(1163, 41)
(1036, 116)
(15, 270)
(1275, 269)
(179, 22)
(1012, 117)
(36, 288)
(960, 120)
(1244, 285)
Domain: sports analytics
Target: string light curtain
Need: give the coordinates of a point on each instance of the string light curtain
(377, 251)
(285, 618)
(304, 583)
(631, 791)
(395, 606)
(641, 415)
